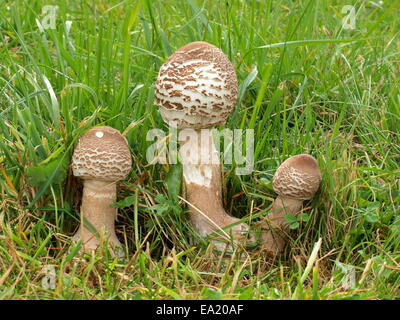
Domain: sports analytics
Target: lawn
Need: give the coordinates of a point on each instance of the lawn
(316, 77)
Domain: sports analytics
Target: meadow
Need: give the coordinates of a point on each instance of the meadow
(316, 77)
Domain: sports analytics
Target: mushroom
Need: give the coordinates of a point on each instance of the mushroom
(297, 179)
(101, 158)
(196, 90)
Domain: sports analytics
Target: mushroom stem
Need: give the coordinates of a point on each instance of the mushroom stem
(283, 206)
(202, 175)
(274, 225)
(97, 216)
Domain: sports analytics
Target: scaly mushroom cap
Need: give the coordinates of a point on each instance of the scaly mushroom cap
(102, 154)
(297, 177)
(196, 87)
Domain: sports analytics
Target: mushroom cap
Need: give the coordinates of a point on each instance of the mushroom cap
(297, 177)
(102, 154)
(196, 87)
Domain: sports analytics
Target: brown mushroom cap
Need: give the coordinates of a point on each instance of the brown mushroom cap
(102, 154)
(196, 87)
(297, 177)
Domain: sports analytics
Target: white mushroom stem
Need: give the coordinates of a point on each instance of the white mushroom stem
(273, 237)
(202, 175)
(283, 206)
(97, 216)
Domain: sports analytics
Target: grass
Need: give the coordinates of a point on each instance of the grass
(307, 85)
